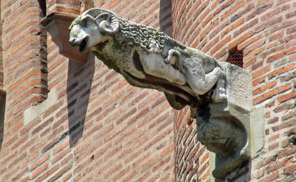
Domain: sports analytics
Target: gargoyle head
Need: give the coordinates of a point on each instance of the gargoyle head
(92, 28)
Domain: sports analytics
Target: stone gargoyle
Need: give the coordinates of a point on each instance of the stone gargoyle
(151, 59)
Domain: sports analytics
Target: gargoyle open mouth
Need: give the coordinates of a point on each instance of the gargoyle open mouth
(83, 44)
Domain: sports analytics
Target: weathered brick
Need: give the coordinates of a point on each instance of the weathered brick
(261, 71)
(60, 155)
(281, 71)
(271, 93)
(254, 46)
(39, 170)
(286, 97)
(264, 87)
(279, 55)
(290, 169)
(249, 41)
(258, 80)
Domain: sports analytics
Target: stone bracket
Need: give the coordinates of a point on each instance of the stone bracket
(252, 134)
(57, 24)
(234, 130)
(34, 111)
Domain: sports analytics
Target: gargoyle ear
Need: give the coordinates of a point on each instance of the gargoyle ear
(87, 20)
(108, 23)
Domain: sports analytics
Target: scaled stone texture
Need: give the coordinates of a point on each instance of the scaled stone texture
(217, 93)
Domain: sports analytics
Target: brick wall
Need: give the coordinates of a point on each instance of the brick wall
(191, 158)
(93, 126)
(265, 31)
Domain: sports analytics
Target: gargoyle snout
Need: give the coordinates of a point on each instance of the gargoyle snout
(72, 41)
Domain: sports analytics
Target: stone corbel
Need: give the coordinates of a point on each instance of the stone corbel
(233, 129)
(57, 24)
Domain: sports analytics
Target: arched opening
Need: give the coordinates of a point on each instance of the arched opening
(236, 57)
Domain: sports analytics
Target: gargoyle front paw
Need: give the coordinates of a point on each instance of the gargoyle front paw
(167, 61)
(219, 94)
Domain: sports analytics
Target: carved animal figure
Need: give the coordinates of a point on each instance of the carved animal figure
(148, 58)
(151, 59)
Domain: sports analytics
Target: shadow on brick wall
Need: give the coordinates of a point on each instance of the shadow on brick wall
(165, 17)
(2, 116)
(78, 91)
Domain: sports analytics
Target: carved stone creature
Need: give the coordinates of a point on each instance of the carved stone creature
(151, 59)
(148, 58)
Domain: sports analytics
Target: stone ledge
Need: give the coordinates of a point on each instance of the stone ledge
(57, 24)
(34, 111)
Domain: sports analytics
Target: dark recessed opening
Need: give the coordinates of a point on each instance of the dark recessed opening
(42, 4)
(137, 62)
(236, 57)
(2, 115)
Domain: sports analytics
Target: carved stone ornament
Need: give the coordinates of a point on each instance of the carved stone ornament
(219, 94)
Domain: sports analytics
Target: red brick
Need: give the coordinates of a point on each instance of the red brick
(113, 170)
(247, 26)
(261, 71)
(254, 46)
(272, 121)
(39, 170)
(254, 53)
(40, 162)
(270, 177)
(220, 44)
(286, 97)
(60, 155)
(290, 169)
(286, 124)
(112, 134)
(150, 162)
(60, 147)
(233, 9)
(274, 137)
(249, 41)
(279, 55)
(121, 173)
(271, 93)
(59, 173)
(47, 173)
(264, 87)
(204, 158)
(276, 36)
(281, 71)
(258, 80)
(240, 39)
